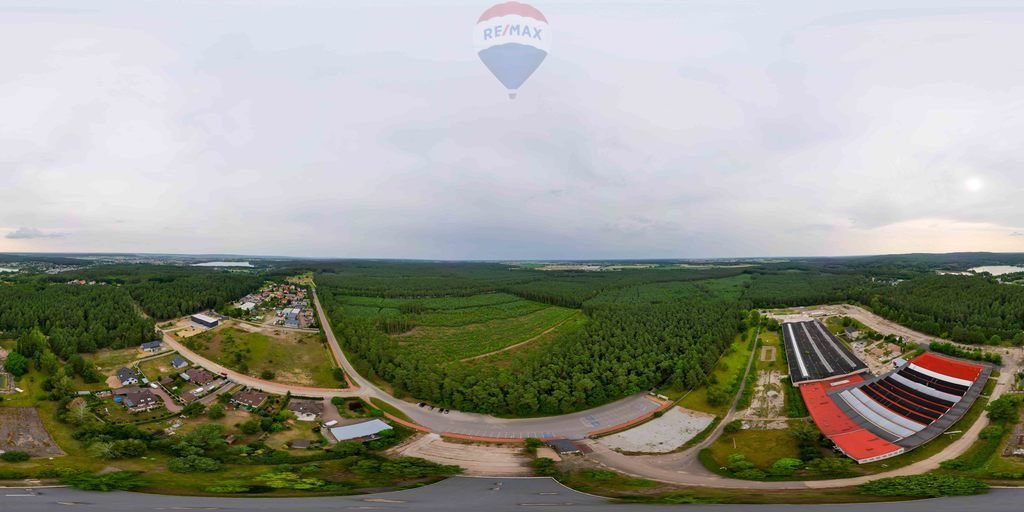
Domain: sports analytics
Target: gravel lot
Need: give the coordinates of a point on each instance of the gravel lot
(476, 460)
(660, 435)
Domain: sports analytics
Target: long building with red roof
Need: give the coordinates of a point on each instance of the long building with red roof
(881, 417)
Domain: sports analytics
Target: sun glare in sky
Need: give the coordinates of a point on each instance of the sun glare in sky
(974, 184)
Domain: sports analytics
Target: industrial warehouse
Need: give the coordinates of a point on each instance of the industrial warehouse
(874, 418)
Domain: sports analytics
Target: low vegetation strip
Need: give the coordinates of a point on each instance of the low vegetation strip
(453, 343)
(524, 342)
(924, 486)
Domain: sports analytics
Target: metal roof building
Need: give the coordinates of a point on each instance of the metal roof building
(362, 430)
(206, 320)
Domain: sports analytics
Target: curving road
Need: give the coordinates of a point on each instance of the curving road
(680, 468)
(458, 494)
(572, 426)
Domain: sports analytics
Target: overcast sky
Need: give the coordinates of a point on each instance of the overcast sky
(372, 129)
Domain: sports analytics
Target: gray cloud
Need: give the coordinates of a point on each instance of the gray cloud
(24, 233)
(339, 129)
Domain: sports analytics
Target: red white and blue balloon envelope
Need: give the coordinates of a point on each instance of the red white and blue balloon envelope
(512, 40)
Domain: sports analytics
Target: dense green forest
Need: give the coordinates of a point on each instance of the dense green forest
(459, 279)
(167, 291)
(968, 309)
(76, 318)
(644, 327)
(620, 351)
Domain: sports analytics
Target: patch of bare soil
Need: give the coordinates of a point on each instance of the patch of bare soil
(22, 430)
(768, 400)
(475, 459)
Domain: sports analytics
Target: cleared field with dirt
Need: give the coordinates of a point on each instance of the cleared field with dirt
(474, 459)
(294, 357)
(22, 430)
(660, 435)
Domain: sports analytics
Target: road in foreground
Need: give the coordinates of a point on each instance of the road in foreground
(456, 495)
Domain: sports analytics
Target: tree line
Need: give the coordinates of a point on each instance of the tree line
(75, 318)
(168, 291)
(621, 350)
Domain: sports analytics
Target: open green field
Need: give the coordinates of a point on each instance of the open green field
(771, 339)
(538, 345)
(454, 343)
(729, 368)
(158, 367)
(442, 311)
(294, 357)
(761, 447)
(108, 361)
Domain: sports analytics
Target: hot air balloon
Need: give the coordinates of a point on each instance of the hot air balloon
(512, 40)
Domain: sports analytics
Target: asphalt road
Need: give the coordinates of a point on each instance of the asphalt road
(572, 426)
(456, 495)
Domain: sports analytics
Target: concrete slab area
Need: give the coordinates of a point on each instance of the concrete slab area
(660, 435)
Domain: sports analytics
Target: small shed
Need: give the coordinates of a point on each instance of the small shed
(564, 447)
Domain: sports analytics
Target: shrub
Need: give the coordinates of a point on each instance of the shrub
(544, 467)
(751, 474)
(717, 396)
(15, 456)
(738, 463)
(991, 431)
(924, 486)
(193, 464)
(733, 426)
(226, 488)
(339, 374)
(267, 375)
(348, 448)
(193, 409)
(116, 481)
(830, 466)
(1004, 409)
(216, 412)
(533, 442)
(786, 465)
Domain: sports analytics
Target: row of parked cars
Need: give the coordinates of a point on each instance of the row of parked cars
(439, 409)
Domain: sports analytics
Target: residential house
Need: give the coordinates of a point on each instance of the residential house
(127, 376)
(306, 410)
(178, 362)
(138, 399)
(151, 346)
(199, 376)
(249, 399)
